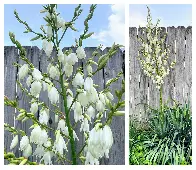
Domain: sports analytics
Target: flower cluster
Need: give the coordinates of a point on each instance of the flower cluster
(83, 102)
(154, 54)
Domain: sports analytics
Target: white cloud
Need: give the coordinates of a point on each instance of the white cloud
(115, 28)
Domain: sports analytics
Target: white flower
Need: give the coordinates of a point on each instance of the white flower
(23, 71)
(24, 143)
(35, 88)
(100, 106)
(39, 151)
(80, 53)
(88, 84)
(71, 59)
(44, 116)
(60, 22)
(90, 160)
(47, 158)
(59, 145)
(107, 138)
(61, 126)
(53, 95)
(82, 98)
(102, 98)
(49, 31)
(47, 47)
(61, 56)
(77, 112)
(37, 74)
(100, 142)
(109, 95)
(34, 108)
(38, 136)
(46, 84)
(69, 101)
(84, 125)
(48, 144)
(78, 80)
(93, 95)
(68, 69)
(27, 151)
(54, 72)
(29, 80)
(91, 112)
(89, 69)
(14, 142)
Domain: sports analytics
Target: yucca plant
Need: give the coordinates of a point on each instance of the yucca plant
(172, 142)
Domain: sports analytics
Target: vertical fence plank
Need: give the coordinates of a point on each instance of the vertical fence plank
(133, 48)
(188, 67)
(171, 37)
(179, 67)
(10, 54)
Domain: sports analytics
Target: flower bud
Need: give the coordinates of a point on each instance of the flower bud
(23, 71)
(14, 142)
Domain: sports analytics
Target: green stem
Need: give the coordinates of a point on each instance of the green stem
(161, 103)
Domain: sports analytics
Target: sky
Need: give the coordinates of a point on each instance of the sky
(170, 14)
(107, 24)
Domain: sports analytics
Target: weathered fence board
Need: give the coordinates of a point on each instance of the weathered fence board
(177, 85)
(40, 61)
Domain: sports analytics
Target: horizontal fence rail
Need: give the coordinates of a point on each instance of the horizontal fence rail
(177, 85)
(39, 59)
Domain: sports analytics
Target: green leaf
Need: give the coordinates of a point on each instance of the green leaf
(88, 35)
(35, 38)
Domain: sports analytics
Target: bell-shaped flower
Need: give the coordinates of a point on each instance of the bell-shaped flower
(88, 84)
(14, 142)
(27, 151)
(68, 69)
(92, 95)
(47, 47)
(46, 84)
(80, 53)
(83, 99)
(71, 59)
(23, 71)
(39, 151)
(77, 112)
(53, 95)
(69, 101)
(59, 144)
(38, 136)
(102, 98)
(34, 108)
(35, 88)
(49, 32)
(24, 143)
(44, 116)
(84, 125)
(29, 81)
(56, 118)
(61, 56)
(60, 22)
(61, 126)
(47, 158)
(54, 72)
(100, 106)
(91, 112)
(37, 74)
(90, 160)
(78, 80)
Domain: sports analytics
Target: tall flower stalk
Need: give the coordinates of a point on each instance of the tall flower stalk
(154, 56)
(88, 105)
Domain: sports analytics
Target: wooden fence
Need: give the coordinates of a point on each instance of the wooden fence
(39, 59)
(177, 85)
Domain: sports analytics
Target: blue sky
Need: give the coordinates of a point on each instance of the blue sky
(104, 18)
(170, 14)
